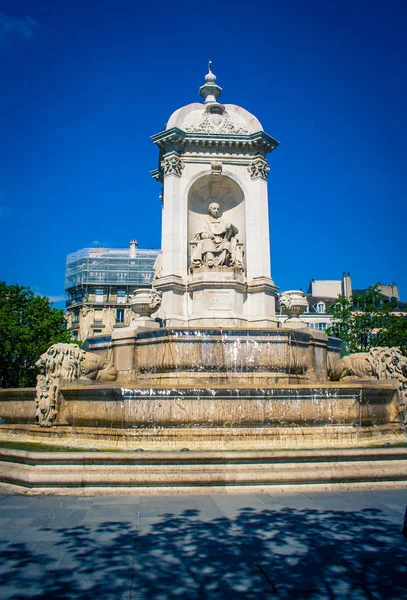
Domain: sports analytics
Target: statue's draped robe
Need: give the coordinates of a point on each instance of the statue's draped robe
(216, 244)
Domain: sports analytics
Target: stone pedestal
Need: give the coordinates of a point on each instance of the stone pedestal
(143, 323)
(123, 346)
(216, 298)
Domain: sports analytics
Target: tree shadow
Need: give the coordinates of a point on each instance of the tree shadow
(256, 553)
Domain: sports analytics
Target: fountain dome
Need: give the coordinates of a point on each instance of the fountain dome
(213, 117)
(216, 119)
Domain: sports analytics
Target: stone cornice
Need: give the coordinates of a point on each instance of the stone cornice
(214, 284)
(157, 175)
(262, 284)
(170, 282)
(178, 140)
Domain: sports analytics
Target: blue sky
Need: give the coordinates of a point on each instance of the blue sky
(85, 84)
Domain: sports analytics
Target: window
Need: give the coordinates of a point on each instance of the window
(320, 307)
(97, 331)
(77, 296)
(74, 335)
(98, 314)
(119, 315)
(322, 326)
(75, 318)
(121, 296)
(99, 293)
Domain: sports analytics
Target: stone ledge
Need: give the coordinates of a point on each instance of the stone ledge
(208, 439)
(59, 473)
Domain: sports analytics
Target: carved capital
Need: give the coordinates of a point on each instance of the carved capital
(172, 164)
(259, 168)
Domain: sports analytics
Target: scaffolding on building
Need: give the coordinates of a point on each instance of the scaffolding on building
(105, 267)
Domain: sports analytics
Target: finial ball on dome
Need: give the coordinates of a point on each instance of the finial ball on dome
(210, 91)
(210, 77)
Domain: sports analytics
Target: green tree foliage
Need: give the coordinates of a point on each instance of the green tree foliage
(29, 324)
(367, 320)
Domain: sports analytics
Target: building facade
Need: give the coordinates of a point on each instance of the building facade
(98, 282)
(321, 293)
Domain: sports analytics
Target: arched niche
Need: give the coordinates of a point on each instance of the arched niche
(223, 190)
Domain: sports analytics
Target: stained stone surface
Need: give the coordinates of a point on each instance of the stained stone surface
(286, 545)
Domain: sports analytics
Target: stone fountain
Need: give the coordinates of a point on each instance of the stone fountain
(203, 364)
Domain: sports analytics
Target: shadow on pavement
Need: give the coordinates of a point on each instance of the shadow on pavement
(256, 553)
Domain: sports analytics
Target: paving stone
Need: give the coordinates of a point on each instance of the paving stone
(230, 578)
(383, 579)
(316, 545)
(298, 501)
(116, 500)
(354, 592)
(19, 522)
(86, 499)
(172, 579)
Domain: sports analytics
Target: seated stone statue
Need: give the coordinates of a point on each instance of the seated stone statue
(217, 245)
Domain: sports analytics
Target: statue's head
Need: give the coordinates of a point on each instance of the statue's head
(214, 210)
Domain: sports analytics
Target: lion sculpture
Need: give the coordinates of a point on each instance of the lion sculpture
(379, 363)
(64, 363)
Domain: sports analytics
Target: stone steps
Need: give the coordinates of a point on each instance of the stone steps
(144, 472)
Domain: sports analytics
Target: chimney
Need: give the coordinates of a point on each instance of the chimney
(133, 248)
(346, 285)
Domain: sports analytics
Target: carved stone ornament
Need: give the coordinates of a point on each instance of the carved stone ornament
(64, 363)
(145, 302)
(216, 168)
(172, 165)
(216, 123)
(293, 303)
(259, 168)
(379, 363)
